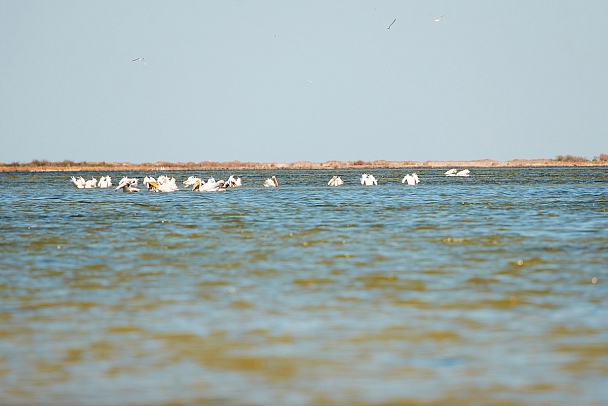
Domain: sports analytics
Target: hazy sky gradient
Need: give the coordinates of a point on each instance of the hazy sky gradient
(309, 80)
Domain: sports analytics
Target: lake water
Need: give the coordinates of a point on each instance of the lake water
(491, 289)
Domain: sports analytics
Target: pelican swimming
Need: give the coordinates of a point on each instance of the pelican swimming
(464, 172)
(231, 182)
(163, 184)
(335, 181)
(451, 172)
(161, 187)
(90, 184)
(104, 182)
(191, 181)
(368, 180)
(271, 182)
(156, 186)
(78, 182)
(210, 186)
(128, 185)
(148, 179)
(411, 180)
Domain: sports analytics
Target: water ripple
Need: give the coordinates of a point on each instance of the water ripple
(306, 294)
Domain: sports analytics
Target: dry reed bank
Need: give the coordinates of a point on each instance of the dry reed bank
(71, 166)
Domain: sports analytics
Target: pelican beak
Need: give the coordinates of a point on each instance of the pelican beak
(152, 185)
(196, 185)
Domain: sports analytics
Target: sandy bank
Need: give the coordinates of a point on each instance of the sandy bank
(237, 165)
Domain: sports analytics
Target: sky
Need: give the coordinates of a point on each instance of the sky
(288, 81)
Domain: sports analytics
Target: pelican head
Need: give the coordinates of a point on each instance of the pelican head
(197, 185)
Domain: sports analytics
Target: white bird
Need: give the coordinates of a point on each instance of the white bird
(128, 185)
(210, 186)
(90, 184)
(165, 180)
(335, 181)
(140, 59)
(161, 187)
(451, 172)
(191, 181)
(104, 182)
(79, 183)
(368, 180)
(271, 182)
(411, 180)
(147, 180)
(437, 19)
(231, 182)
(391, 24)
(163, 184)
(464, 172)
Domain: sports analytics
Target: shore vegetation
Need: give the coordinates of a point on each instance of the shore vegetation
(43, 165)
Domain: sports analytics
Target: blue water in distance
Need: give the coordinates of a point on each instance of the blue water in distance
(490, 289)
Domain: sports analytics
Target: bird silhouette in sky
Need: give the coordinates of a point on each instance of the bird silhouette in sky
(391, 24)
(140, 59)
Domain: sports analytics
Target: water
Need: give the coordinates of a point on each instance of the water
(491, 289)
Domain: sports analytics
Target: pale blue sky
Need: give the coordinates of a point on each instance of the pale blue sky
(284, 81)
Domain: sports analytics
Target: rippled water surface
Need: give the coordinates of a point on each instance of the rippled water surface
(491, 289)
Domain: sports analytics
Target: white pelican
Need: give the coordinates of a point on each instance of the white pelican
(231, 182)
(79, 183)
(272, 182)
(210, 186)
(131, 181)
(437, 19)
(105, 182)
(128, 185)
(90, 184)
(411, 180)
(140, 59)
(451, 172)
(163, 184)
(167, 183)
(191, 181)
(165, 179)
(161, 187)
(391, 24)
(368, 180)
(148, 179)
(464, 172)
(335, 181)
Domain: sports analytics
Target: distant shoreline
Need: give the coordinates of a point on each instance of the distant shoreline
(70, 166)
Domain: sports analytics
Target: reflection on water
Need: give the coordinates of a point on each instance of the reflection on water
(482, 290)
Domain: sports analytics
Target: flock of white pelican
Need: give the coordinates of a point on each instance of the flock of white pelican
(165, 184)
(81, 183)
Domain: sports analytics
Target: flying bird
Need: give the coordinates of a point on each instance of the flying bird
(391, 24)
(437, 19)
(140, 59)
